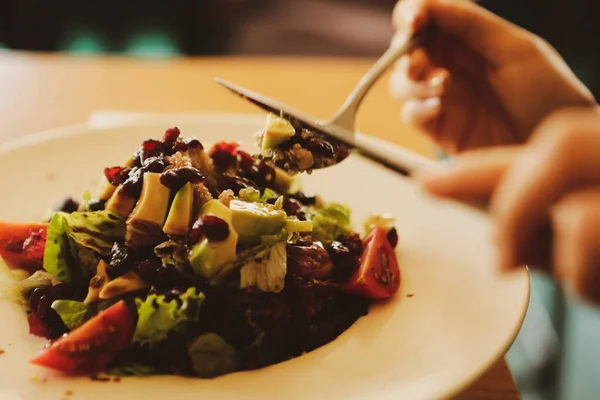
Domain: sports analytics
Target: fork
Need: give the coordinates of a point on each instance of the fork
(342, 125)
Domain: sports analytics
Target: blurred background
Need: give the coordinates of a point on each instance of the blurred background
(153, 28)
(557, 350)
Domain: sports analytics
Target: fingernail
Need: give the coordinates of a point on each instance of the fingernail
(437, 81)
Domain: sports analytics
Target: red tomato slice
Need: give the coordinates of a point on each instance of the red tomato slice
(378, 276)
(12, 237)
(92, 346)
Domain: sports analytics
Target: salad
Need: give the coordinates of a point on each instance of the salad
(195, 261)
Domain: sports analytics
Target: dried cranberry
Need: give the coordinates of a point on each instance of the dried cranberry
(158, 275)
(122, 260)
(151, 148)
(319, 146)
(213, 228)
(67, 205)
(311, 261)
(133, 185)
(190, 174)
(35, 297)
(61, 291)
(43, 305)
(176, 178)
(171, 135)
(341, 152)
(245, 161)
(34, 246)
(154, 164)
(194, 144)
(181, 146)
(263, 174)
(236, 183)
(169, 178)
(345, 253)
(392, 237)
(113, 175)
(292, 207)
(304, 199)
(37, 326)
(224, 155)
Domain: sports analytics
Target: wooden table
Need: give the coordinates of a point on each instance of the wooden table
(39, 92)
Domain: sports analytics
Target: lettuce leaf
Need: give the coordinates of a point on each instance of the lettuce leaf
(329, 221)
(159, 316)
(268, 273)
(96, 230)
(76, 241)
(212, 356)
(73, 313)
(57, 253)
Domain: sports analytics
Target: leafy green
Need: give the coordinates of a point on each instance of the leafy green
(75, 242)
(330, 221)
(73, 313)
(267, 195)
(131, 369)
(212, 356)
(96, 230)
(268, 273)
(159, 316)
(57, 251)
(87, 199)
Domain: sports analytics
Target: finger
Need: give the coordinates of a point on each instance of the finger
(422, 114)
(560, 159)
(403, 88)
(576, 221)
(409, 15)
(474, 174)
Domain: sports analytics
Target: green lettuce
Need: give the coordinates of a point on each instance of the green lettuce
(96, 230)
(267, 195)
(329, 221)
(212, 356)
(73, 313)
(76, 241)
(159, 316)
(267, 273)
(57, 253)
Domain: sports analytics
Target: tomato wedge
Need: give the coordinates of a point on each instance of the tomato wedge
(12, 237)
(378, 276)
(92, 346)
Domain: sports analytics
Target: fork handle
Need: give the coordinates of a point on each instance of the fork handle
(345, 116)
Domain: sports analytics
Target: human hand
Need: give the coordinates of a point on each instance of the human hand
(479, 80)
(552, 181)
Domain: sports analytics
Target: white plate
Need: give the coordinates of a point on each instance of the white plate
(453, 317)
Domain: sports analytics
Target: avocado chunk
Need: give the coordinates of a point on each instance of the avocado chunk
(120, 203)
(145, 223)
(295, 225)
(277, 131)
(253, 220)
(209, 258)
(180, 215)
